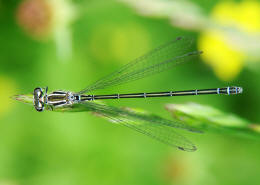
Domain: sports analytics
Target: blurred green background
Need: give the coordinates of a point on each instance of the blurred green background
(70, 44)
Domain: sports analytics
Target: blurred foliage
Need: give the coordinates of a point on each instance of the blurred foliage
(230, 52)
(230, 35)
(46, 19)
(209, 119)
(98, 37)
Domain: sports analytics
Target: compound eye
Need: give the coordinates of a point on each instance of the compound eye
(37, 92)
(39, 106)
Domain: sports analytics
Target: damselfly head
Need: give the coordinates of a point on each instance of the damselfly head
(39, 98)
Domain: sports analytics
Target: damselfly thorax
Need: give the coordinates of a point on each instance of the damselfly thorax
(54, 99)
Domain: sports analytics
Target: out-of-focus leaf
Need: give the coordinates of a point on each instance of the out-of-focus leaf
(46, 19)
(181, 13)
(208, 118)
(230, 36)
(24, 98)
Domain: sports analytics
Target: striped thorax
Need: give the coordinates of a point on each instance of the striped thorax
(54, 99)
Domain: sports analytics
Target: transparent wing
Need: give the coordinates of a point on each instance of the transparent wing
(158, 60)
(156, 127)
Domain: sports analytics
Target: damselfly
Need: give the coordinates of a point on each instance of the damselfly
(160, 59)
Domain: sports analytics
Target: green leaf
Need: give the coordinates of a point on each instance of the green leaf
(208, 118)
